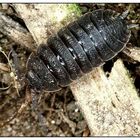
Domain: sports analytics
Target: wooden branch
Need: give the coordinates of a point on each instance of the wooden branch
(110, 105)
(44, 20)
(15, 31)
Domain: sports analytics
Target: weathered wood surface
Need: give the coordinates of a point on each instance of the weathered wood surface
(110, 105)
(15, 31)
(132, 53)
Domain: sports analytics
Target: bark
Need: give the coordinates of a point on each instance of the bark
(110, 105)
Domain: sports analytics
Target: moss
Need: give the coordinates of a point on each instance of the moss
(72, 13)
(74, 8)
(64, 13)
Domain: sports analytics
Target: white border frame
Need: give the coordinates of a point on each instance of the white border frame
(69, 1)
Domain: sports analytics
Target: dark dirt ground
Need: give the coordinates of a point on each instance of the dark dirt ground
(60, 110)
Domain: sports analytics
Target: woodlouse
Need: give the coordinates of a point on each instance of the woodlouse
(76, 49)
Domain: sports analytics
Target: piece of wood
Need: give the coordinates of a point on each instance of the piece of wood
(15, 31)
(44, 20)
(132, 52)
(110, 105)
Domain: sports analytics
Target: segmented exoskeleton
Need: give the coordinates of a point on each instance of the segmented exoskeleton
(76, 49)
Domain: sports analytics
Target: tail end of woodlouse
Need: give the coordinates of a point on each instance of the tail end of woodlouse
(124, 14)
(131, 26)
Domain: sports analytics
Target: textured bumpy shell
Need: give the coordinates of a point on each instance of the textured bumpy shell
(76, 49)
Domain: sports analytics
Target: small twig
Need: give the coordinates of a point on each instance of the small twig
(5, 88)
(16, 63)
(71, 124)
(52, 104)
(65, 100)
(132, 52)
(4, 67)
(86, 132)
(14, 73)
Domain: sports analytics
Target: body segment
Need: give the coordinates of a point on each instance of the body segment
(76, 49)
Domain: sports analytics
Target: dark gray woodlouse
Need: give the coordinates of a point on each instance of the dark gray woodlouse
(76, 49)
